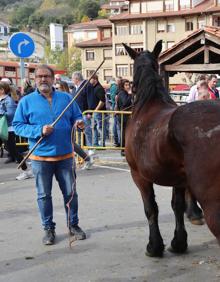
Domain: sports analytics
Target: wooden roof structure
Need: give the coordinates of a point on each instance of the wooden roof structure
(198, 53)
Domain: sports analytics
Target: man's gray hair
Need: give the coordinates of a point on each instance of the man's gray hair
(78, 75)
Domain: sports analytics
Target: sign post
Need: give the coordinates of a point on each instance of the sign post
(22, 46)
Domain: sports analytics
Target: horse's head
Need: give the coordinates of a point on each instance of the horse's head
(147, 84)
(145, 58)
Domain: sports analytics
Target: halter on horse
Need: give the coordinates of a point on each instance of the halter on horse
(172, 146)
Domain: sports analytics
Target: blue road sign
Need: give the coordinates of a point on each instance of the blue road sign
(21, 45)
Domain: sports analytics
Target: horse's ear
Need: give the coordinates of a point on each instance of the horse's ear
(157, 49)
(131, 52)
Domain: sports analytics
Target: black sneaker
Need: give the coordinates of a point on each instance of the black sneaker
(49, 237)
(76, 231)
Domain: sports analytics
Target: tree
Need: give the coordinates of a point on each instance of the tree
(20, 16)
(69, 61)
(89, 8)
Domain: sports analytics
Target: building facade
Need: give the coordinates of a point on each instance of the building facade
(149, 21)
(145, 22)
(94, 38)
(115, 7)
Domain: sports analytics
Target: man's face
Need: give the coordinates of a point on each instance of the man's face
(44, 80)
(213, 82)
(93, 81)
(75, 80)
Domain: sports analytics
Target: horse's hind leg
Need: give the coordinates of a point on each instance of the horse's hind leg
(193, 211)
(155, 247)
(179, 242)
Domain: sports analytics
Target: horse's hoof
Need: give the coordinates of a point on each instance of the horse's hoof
(153, 255)
(199, 221)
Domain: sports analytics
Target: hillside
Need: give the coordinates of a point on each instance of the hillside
(39, 13)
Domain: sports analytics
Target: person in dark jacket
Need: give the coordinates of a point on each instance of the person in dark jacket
(99, 104)
(124, 102)
(83, 101)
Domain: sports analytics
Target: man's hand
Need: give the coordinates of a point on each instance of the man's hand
(79, 124)
(47, 130)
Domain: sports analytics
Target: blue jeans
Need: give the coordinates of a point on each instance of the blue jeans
(116, 130)
(88, 130)
(64, 172)
(100, 124)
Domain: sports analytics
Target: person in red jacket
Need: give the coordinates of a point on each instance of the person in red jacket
(213, 91)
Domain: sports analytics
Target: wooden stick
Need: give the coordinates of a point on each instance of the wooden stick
(59, 117)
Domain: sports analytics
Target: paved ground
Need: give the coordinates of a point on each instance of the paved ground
(111, 213)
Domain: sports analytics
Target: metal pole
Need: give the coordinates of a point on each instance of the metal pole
(59, 117)
(22, 72)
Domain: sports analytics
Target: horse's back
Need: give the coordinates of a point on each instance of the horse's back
(196, 128)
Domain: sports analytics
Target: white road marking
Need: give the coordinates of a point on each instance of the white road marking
(113, 168)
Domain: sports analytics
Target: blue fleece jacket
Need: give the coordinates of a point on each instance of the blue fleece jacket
(34, 111)
(7, 108)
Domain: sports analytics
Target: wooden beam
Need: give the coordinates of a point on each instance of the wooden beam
(215, 50)
(180, 48)
(193, 68)
(186, 58)
(206, 55)
(212, 38)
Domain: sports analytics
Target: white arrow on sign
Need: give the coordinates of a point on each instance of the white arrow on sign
(24, 42)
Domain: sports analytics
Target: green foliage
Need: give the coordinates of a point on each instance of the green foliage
(69, 61)
(20, 16)
(39, 13)
(89, 8)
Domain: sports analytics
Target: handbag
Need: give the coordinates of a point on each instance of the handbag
(3, 128)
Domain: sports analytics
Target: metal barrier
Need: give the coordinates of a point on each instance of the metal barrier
(99, 126)
(179, 96)
(107, 122)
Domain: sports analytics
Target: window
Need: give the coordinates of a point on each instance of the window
(89, 73)
(107, 54)
(107, 75)
(189, 25)
(122, 70)
(161, 26)
(121, 30)
(90, 55)
(131, 69)
(184, 4)
(120, 50)
(31, 70)
(138, 47)
(135, 8)
(217, 21)
(170, 44)
(154, 6)
(136, 29)
(10, 69)
(163, 46)
(169, 5)
(107, 33)
(170, 27)
(143, 7)
(201, 23)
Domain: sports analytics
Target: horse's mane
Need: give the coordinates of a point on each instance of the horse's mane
(149, 86)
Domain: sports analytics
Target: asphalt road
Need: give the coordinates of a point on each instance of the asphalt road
(111, 213)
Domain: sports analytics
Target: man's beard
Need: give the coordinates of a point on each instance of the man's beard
(45, 88)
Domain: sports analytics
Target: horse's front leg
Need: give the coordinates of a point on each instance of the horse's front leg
(193, 211)
(179, 242)
(155, 247)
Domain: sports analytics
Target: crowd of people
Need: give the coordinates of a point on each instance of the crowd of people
(204, 89)
(92, 98)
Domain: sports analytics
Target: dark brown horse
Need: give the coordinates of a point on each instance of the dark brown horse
(172, 146)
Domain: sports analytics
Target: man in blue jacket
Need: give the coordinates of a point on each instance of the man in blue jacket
(54, 155)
